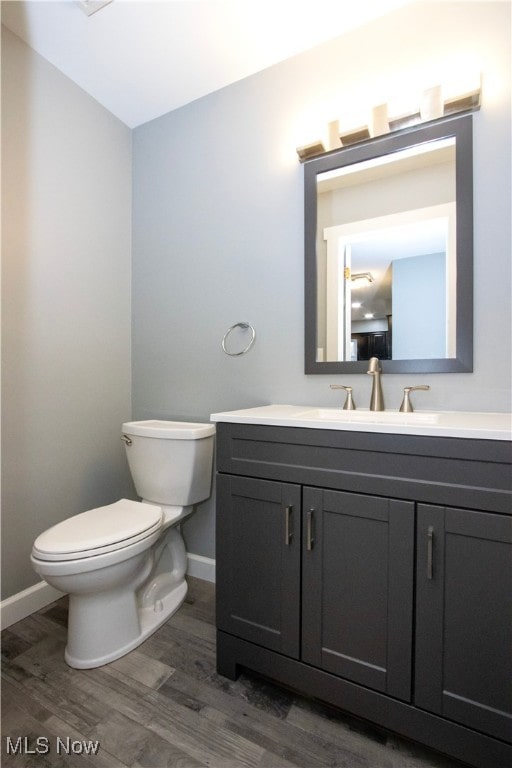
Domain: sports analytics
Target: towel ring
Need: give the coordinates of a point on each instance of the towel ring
(244, 326)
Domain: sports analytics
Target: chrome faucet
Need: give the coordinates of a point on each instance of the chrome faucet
(349, 401)
(406, 406)
(377, 398)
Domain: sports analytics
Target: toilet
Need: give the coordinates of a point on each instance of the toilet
(124, 564)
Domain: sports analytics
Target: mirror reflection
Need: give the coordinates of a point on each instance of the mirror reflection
(387, 284)
(388, 234)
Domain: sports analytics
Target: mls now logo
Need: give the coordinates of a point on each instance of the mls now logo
(24, 745)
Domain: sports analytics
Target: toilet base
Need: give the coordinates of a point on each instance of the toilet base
(150, 618)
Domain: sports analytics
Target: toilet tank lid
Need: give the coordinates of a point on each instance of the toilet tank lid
(169, 430)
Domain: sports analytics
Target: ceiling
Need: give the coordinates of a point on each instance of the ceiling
(143, 58)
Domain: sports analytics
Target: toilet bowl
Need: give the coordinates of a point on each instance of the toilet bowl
(124, 564)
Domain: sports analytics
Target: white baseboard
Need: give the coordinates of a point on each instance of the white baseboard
(201, 567)
(34, 598)
(28, 601)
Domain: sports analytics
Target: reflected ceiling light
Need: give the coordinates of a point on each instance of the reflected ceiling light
(356, 305)
(368, 316)
(361, 279)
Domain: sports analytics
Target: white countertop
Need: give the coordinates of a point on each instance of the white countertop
(465, 424)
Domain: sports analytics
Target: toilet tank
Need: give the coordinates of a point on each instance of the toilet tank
(170, 461)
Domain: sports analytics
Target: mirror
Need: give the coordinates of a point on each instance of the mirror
(389, 252)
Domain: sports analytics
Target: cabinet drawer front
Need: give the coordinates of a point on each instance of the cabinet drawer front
(464, 617)
(437, 470)
(258, 561)
(358, 575)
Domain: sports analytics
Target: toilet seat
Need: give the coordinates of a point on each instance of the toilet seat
(99, 531)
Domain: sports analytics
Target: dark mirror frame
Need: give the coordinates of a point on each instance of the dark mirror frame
(460, 127)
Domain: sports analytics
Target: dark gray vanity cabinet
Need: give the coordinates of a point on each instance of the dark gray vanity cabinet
(373, 571)
(258, 562)
(464, 617)
(357, 587)
(356, 595)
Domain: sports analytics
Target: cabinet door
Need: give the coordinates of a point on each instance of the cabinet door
(358, 569)
(258, 561)
(464, 618)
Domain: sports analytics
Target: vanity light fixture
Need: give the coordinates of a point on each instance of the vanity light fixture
(361, 279)
(433, 103)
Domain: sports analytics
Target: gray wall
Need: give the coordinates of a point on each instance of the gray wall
(66, 241)
(218, 224)
(419, 306)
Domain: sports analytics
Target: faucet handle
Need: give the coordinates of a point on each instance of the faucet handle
(406, 406)
(349, 402)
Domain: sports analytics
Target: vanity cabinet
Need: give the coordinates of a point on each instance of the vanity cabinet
(464, 617)
(357, 575)
(258, 562)
(372, 571)
(357, 579)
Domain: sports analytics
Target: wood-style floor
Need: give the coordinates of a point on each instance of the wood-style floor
(164, 705)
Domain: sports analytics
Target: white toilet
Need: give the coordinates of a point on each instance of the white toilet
(124, 564)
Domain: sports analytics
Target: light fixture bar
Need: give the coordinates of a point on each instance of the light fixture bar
(432, 106)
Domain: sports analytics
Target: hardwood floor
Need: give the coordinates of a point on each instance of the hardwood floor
(164, 705)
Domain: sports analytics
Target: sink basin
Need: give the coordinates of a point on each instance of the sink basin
(466, 424)
(370, 417)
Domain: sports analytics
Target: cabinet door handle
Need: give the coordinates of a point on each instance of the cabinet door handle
(430, 552)
(288, 528)
(309, 530)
